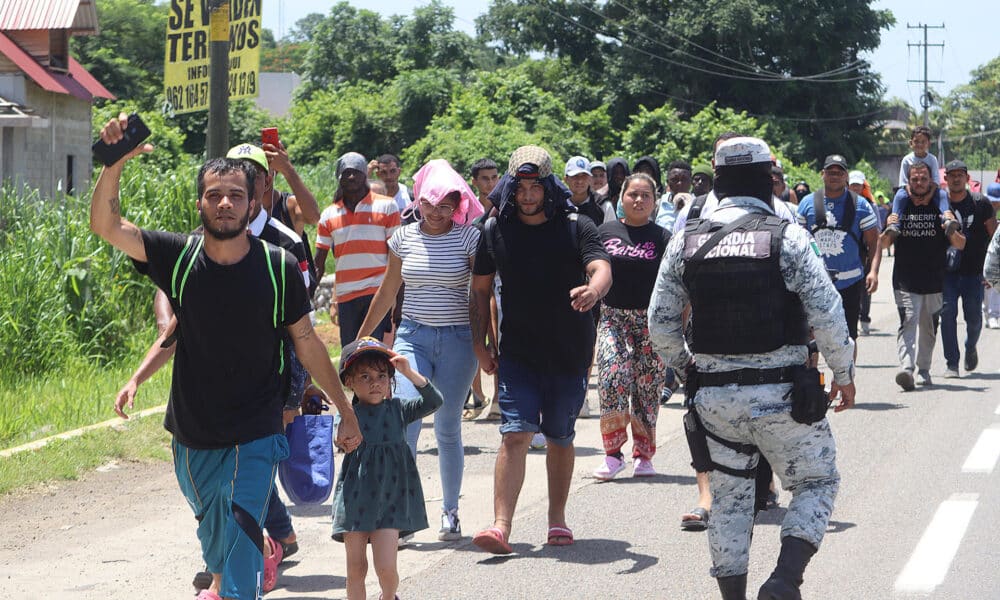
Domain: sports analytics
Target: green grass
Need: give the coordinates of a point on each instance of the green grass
(136, 440)
(78, 395)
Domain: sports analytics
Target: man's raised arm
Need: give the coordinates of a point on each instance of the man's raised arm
(105, 208)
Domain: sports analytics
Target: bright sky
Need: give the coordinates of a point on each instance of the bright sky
(968, 37)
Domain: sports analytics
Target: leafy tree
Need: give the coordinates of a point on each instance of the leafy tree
(350, 117)
(970, 111)
(739, 53)
(426, 40)
(305, 28)
(127, 55)
(348, 46)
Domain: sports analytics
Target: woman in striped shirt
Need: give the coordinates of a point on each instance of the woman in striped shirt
(433, 257)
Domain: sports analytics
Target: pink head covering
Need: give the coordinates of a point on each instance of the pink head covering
(437, 179)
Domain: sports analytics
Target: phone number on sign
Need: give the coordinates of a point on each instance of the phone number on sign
(188, 96)
(243, 83)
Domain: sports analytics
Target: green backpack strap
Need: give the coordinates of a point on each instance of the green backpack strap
(279, 299)
(189, 254)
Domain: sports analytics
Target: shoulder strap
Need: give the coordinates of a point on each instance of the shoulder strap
(819, 210)
(721, 233)
(181, 271)
(489, 229)
(574, 230)
(276, 254)
(695, 211)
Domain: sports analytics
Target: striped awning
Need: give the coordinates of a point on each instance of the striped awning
(79, 16)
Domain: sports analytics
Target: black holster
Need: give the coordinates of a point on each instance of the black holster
(809, 397)
(701, 459)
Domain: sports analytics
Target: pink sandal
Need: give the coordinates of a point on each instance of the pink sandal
(493, 540)
(271, 564)
(560, 535)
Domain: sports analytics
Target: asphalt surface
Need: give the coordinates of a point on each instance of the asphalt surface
(916, 517)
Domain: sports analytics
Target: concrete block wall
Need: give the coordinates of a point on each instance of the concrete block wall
(44, 158)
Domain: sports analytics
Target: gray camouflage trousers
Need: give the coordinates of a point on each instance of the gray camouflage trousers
(802, 456)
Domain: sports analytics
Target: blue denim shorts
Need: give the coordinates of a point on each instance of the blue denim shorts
(534, 401)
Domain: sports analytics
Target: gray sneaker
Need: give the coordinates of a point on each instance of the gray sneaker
(904, 379)
(451, 527)
(925, 377)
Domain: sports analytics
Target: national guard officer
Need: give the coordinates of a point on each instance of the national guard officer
(756, 284)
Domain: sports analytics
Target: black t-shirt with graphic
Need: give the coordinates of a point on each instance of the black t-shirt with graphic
(920, 250)
(635, 260)
(225, 388)
(541, 264)
(973, 216)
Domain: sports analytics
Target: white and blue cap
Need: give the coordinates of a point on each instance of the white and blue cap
(740, 151)
(577, 165)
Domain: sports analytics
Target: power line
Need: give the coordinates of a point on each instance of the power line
(748, 68)
(687, 66)
(925, 99)
(776, 117)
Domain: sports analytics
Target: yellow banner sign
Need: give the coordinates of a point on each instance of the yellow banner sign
(186, 68)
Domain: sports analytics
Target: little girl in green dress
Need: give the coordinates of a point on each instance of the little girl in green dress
(378, 496)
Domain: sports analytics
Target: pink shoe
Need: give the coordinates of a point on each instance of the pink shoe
(271, 565)
(643, 467)
(611, 467)
(207, 595)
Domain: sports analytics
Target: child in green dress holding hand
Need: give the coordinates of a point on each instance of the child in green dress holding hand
(378, 495)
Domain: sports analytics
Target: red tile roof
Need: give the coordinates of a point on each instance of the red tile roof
(77, 82)
(77, 15)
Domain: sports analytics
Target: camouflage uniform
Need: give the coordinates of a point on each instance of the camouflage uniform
(803, 456)
(991, 268)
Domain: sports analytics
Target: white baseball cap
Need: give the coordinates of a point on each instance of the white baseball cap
(856, 177)
(577, 165)
(742, 151)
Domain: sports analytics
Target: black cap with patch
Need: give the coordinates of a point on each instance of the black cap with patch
(835, 159)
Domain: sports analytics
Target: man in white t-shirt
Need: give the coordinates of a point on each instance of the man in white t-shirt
(387, 169)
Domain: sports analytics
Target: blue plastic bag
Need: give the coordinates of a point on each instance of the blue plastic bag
(307, 474)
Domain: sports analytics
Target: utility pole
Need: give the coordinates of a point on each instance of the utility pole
(218, 82)
(926, 99)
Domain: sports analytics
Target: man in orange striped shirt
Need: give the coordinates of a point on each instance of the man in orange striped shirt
(356, 226)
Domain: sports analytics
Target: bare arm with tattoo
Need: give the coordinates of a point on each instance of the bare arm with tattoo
(481, 323)
(105, 210)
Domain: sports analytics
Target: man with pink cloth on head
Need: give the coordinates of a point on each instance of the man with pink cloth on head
(433, 258)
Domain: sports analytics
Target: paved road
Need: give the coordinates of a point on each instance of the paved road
(918, 509)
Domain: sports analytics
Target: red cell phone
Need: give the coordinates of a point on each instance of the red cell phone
(269, 135)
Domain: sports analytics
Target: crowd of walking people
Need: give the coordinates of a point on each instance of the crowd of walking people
(727, 279)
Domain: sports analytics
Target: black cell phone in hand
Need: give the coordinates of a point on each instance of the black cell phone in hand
(135, 132)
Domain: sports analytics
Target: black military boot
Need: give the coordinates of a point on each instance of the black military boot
(733, 587)
(784, 582)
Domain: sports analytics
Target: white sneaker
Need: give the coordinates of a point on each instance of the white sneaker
(451, 527)
(993, 323)
(866, 328)
(538, 441)
(611, 467)
(924, 376)
(404, 540)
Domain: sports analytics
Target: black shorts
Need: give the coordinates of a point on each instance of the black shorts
(851, 297)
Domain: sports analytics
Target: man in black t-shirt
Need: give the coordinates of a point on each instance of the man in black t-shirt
(229, 293)
(918, 274)
(978, 222)
(554, 269)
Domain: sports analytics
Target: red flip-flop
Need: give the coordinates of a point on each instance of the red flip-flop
(493, 540)
(560, 535)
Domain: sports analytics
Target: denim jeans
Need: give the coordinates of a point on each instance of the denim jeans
(443, 355)
(970, 289)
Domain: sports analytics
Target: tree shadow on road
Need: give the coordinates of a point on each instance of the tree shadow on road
(776, 516)
(658, 478)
